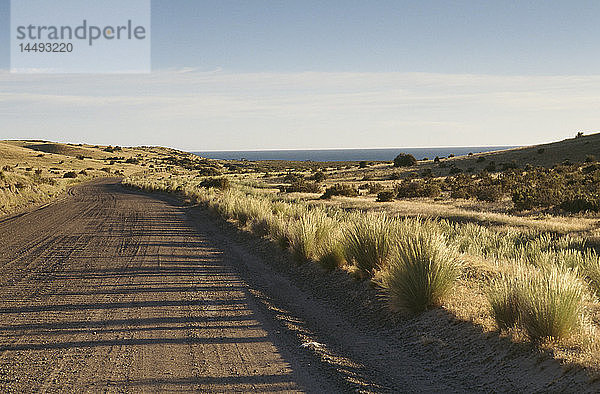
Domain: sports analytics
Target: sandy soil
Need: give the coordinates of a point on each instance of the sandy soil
(112, 290)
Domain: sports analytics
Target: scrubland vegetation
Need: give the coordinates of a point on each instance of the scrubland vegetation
(530, 284)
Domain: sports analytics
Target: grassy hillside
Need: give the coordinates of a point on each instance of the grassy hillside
(33, 172)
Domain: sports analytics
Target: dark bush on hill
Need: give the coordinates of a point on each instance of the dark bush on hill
(405, 160)
(340, 190)
(301, 186)
(132, 160)
(491, 167)
(491, 193)
(209, 171)
(292, 177)
(385, 196)
(581, 204)
(217, 183)
(70, 174)
(319, 176)
(374, 188)
(417, 188)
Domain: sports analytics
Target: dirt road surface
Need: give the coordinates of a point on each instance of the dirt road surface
(111, 290)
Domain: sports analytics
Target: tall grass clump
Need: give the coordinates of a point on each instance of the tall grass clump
(554, 304)
(591, 271)
(369, 241)
(332, 255)
(422, 270)
(504, 296)
(310, 235)
(546, 303)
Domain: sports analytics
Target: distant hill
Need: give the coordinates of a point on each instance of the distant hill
(574, 150)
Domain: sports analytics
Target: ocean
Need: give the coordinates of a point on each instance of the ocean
(386, 154)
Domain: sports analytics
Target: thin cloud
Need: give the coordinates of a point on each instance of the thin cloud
(195, 109)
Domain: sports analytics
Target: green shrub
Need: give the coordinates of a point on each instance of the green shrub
(374, 188)
(292, 177)
(132, 160)
(333, 256)
(491, 167)
(385, 196)
(461, 192)
(421, 271)
(319, 176)
(591, 269)
(581, 203)
(529, 197)
(340, 190)
(70, 174)
(405, 160)
(491, 193)
(206, 171)
(217, 183)
(301, 186)
(417, 188)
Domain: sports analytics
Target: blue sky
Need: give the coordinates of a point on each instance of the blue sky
(384, 73)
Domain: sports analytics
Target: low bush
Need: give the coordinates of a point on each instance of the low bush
(405, 160)
(490, 193)
(319, 176)
(292, 177)
(374, 188)
(503, 296)
(217, 183)
(132, 160)
(417, 188)
(340, 190)
(70, 174)
(455, 170)
(301, 186)
(581, 203)
(333, 255)
(385, 196)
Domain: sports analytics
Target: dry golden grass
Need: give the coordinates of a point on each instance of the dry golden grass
(31, 172)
